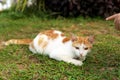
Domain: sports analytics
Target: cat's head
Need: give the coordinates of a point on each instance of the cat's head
(82, 45)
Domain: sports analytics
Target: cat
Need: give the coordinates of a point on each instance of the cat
(57, 46)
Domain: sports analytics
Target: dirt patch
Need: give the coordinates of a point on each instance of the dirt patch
(33, 59)
(2, 45)
(21, 66)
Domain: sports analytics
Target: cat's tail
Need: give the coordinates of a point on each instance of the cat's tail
(15, 41)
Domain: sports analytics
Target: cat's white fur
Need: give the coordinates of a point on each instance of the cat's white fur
(58, 50)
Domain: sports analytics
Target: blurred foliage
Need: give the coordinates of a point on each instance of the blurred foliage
(21, 4)
(103, 8)
(33, 4)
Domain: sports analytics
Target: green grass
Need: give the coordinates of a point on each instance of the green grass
(18, 63)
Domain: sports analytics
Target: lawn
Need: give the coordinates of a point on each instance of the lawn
(18, 63)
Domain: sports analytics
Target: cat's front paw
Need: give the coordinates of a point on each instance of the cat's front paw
(78, 63)
(73, 61)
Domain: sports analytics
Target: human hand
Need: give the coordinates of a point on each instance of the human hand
(116, 18)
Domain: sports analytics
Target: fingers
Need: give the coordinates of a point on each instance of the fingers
(116, 18)
(117, 22)
(111, 17)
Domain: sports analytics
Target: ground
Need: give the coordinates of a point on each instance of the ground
(18, 63)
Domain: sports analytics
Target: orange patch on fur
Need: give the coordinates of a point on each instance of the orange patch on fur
(65, 40)
(42, 43)
(27, 41)
(83, 40)
(50, 34)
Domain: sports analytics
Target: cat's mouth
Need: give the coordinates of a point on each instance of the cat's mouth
(81, 58)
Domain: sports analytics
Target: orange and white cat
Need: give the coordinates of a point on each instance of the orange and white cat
(57, 46)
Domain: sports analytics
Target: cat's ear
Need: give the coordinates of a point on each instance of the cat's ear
(91, 39)
(73, 37)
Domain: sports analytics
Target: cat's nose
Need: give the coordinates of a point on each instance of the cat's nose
(81, 55)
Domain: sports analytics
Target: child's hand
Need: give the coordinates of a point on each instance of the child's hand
(116, 18)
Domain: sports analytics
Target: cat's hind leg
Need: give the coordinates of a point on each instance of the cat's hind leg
(32, 48)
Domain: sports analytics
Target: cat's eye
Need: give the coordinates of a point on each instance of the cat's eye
(86, 48)
(76, 47)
